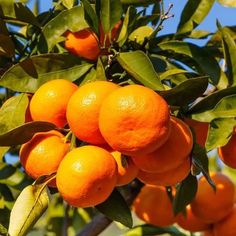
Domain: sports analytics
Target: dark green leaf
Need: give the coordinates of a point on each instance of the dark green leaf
(12, 113)
(29, 206)
(72, 19)
(90, 16)
(100, 70)
(207, 64)
(200, 161)
(193, 14)
(227, 3)
(3, 230)
(116, 208)
(138, 2)
(17, 12)
(220, 131)
(185, 193)
(148, 230)
(138, 65)
(229, 47)
(210, 101)
(89, 77)
(225, 108)
(24, 133)
(171, 72)
(30, 74)
(12, 176)
(110, 14)
(6, 46)
(186, 92)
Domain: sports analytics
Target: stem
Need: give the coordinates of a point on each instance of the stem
(66, 221)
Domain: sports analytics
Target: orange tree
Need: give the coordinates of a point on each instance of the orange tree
(147, 79)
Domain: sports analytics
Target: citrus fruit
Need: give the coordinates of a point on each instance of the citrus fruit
(50, 101)
(154, 206)
(43, 154)
(83, 110)
(134, 120)
(166, 178)
(86, 176)
(209, 232)
(190, 222)
(83, 43)
(227, 153)
(127, 171)
(212, 206)
(172, 153)
(227, 225)
(200, 130)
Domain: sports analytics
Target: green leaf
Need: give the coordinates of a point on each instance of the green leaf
(90, 16)
(17, 12)
(138, 2)
(12, 176)
(68, 3)
(193, 14)
(6, 46)
(116, 208)
(72, 19)
(148, 230)
(3, 151)
(12, 113)
(89, 77)
(186, 191)
(199, 34)
(171, 72)
(24, 133)
(220, 131)
(186, 92)
(28, 208)
(138, 65)
(200, 161)
(211, 100)
(100, 70)
(3, 230)
(229, 49)
(225, 108)
(139, 34)
(227, 3)
(110, 13)
(30, 74)
(207, 64)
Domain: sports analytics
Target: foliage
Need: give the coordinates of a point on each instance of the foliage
(198, 82)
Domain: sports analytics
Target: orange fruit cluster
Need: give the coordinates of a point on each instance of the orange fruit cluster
(86, 44)
(127, 132)
(211, 212)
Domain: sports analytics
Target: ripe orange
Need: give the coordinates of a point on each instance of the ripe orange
(226, 227)
(127, 170)
(83, 110)
(172, 153)
(109, 38)
(43, 154)
(50, 101)
(83, 43)
(200, 129)
(213, 206)
(154, 206)
(190, 222)
(209, 232)
(86, 176)
(134, 120)
(227, 153)
(166, 178)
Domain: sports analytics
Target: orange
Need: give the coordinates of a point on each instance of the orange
(172, 153)
(134, 120)
(109, 38)
(213, 206)
(154, 206)
(83, 43)
(226, 226)
(227, 153)
(200, 130)
(50, 101)
(86, 176)
(43, 154)
(166, 178)
(83, 110)
(127, 170)
(208, 232)
(190, 222)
